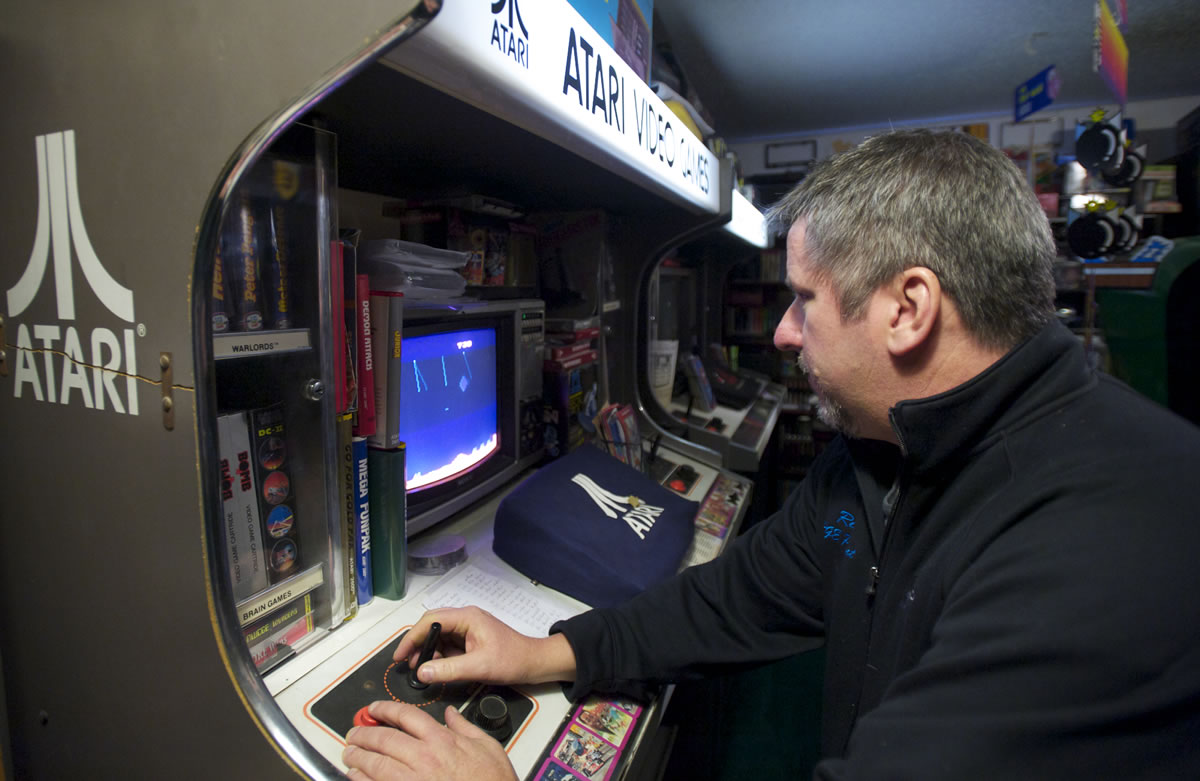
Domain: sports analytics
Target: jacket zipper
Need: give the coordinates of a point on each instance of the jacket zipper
(888, 523)
(901, 479)
(871, 587)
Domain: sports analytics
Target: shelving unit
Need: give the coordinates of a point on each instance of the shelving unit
(279, 224)
(755, 298)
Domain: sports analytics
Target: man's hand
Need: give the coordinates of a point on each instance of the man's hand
(477, 646)
(416, 746)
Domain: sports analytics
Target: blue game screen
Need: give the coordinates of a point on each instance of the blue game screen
(448, 404)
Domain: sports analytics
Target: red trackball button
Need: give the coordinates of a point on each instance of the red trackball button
(363, 719)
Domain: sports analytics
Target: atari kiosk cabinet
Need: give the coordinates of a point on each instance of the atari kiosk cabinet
(128, 176)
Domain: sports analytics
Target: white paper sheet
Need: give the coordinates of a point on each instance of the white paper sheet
(517, 602)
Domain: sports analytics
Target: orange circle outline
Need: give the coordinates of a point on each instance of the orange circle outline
(388, 689)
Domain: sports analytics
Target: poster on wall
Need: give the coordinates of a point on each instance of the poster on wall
(1036, 93)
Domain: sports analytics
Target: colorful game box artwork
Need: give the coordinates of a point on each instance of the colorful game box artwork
(554, 772)
(589, 747)
(585, 753)
(279, 521)
(606, 720)
(629, 706)
(271, 452)
(283, 556)
(276, 508)
(276, 487)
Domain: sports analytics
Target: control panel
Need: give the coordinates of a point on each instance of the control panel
(544, 734)
(500, 711)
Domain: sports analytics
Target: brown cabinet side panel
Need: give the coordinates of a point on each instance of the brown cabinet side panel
(119, 118)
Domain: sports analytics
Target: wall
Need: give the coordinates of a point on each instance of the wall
(1155, 121)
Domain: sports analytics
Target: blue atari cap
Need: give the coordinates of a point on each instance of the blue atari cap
(593, 528)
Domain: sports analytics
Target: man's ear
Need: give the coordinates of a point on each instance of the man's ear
(916, 301)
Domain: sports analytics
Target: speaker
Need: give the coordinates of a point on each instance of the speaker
(1100, 148)
(1092, 235)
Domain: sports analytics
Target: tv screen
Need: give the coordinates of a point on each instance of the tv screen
(448, 417)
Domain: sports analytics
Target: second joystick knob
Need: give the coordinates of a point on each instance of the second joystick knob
(491, 715)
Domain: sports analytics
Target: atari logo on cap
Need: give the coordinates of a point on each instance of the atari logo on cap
(58, 362)
(639, 515)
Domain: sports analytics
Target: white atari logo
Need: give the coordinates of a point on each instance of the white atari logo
(639, 515)
(59, 228)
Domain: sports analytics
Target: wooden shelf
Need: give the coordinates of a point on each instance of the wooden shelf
(1117, 274)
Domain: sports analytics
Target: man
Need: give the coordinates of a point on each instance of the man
(999, 552)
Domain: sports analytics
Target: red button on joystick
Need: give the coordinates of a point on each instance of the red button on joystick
(364, 719)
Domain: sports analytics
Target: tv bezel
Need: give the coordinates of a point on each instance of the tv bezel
(432, 504)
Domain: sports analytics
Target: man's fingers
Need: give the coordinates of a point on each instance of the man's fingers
(410, 644)
(378, 751)
(372, 764)
(455, 623)
(448, 669)
(417, 746)
(437, 671)
(475, 646)
(461, 725)
(413, 720)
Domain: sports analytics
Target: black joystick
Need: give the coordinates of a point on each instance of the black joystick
(435, 630)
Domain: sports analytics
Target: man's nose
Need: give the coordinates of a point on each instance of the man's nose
(787, 334)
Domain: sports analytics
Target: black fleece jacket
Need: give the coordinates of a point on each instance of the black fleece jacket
(1014, 592)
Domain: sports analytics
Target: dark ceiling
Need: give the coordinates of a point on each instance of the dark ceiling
(765, 68)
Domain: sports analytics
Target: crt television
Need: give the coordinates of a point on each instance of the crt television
(470, 412)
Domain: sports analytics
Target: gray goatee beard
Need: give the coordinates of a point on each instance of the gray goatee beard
(829, 410)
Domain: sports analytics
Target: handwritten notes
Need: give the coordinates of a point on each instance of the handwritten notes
(516, 602)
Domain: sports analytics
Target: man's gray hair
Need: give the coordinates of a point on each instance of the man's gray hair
(946, 201)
